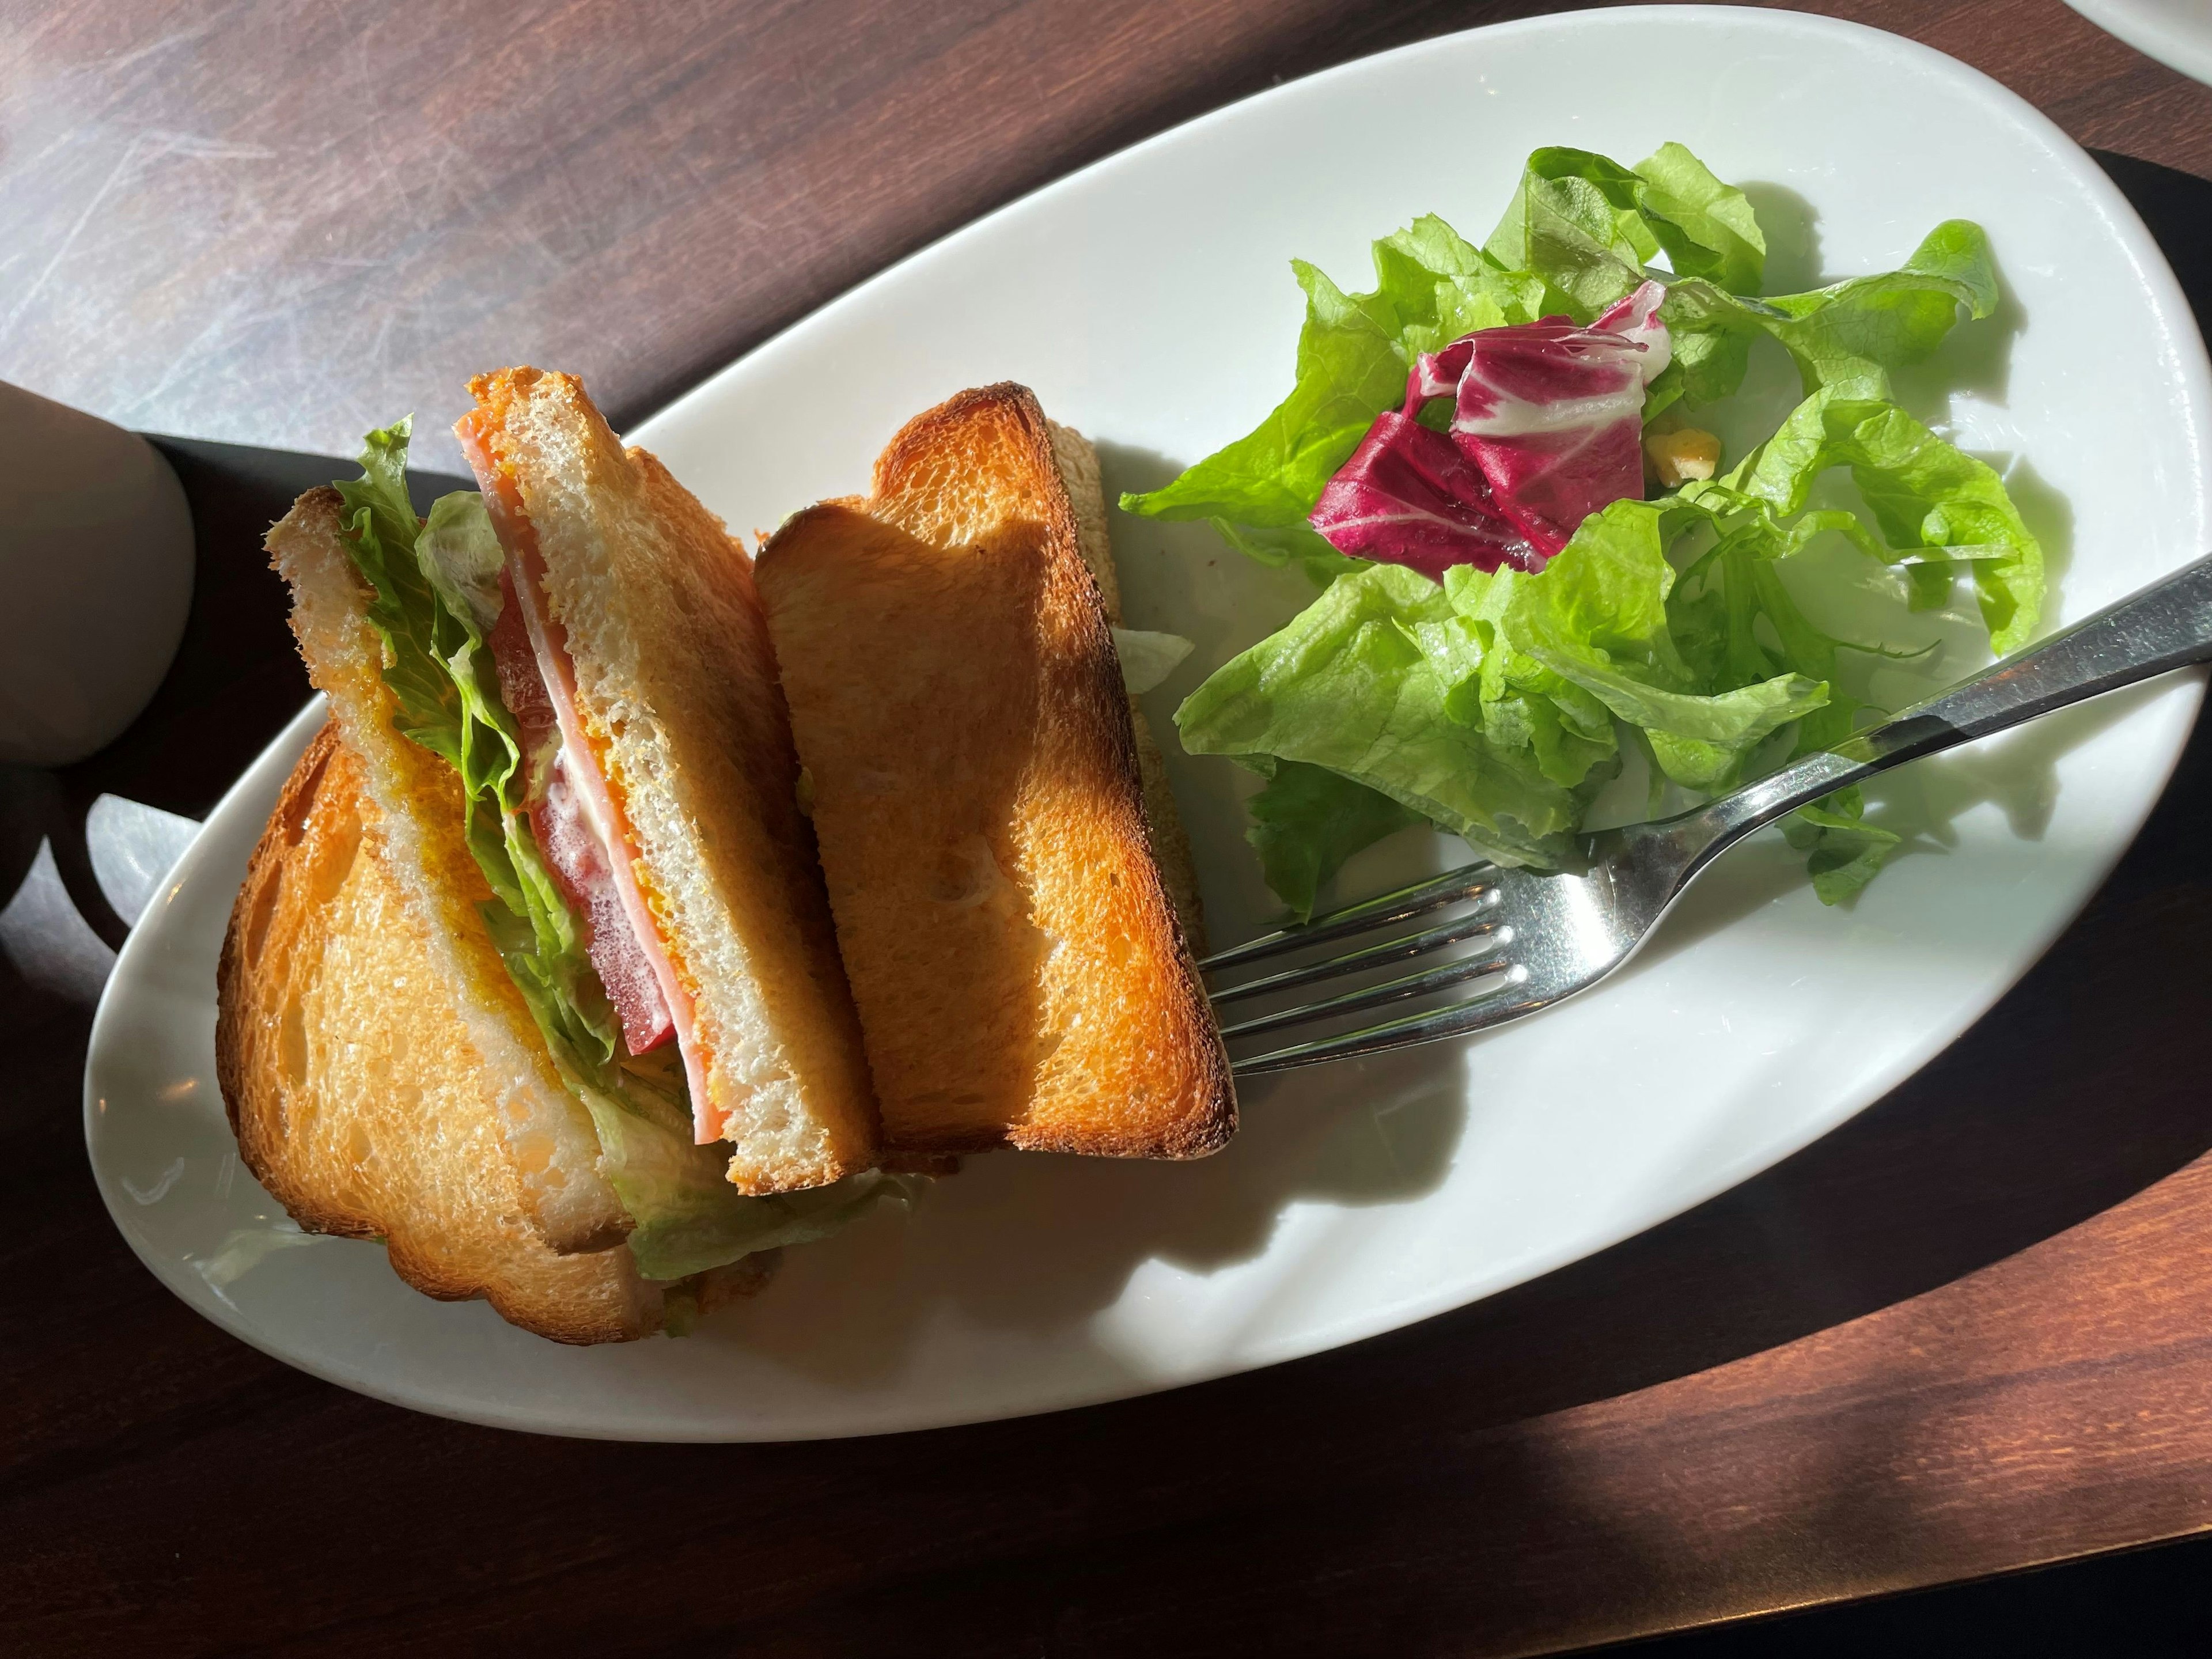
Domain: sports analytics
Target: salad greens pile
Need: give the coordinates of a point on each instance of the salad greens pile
(1494, 704)
(435, 597)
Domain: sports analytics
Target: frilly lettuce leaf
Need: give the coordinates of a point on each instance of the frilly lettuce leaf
(1845, 337)
(1708, 229)
(1596, 616)
(1308, 820)
(1358, 683)
(461, 558)
(1586, 226)
(1933, 504)
(1574, 224)
(435, 589)
(1349, 367)
(379, 523)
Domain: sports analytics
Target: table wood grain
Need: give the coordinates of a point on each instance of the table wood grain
(1969, 1332)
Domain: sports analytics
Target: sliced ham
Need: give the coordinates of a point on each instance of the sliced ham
(572, 845)
(587, 825)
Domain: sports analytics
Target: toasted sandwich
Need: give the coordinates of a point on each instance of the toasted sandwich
(1007, 908)
(352, 1060)
(563, 736)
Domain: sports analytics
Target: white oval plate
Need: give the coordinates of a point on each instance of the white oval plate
(2177, 32)
(1146, 300)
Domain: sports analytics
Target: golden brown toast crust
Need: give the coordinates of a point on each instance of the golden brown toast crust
(958, 704)
(1079, 473)
(676, 691)
(356, 1096)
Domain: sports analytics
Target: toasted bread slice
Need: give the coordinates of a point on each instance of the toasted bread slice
(359, 1097)
(676, 691)
(957, 704)
(546, 1134)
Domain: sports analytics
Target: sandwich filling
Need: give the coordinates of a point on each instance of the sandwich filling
(583, 830)
(473, 681)
(574, 838)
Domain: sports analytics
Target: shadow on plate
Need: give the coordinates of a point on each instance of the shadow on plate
(1035, 1245)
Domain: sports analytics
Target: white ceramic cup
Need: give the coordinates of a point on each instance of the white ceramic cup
(96, 577)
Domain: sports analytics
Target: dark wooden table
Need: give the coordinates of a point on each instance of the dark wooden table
(1970, 1331)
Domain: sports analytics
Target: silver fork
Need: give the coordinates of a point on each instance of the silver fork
(1535, 938)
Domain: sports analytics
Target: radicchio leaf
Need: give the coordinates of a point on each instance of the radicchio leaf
(1552, 413)
(1408, 496)
(1546, 428)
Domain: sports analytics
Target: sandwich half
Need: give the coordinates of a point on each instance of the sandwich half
(349, 1058)
(655, 709)
(974, 775)
(543, 929)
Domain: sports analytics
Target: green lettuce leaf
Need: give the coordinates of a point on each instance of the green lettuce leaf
(435, 596)
(1350, 368)
(380, 527)
(1708, 229)
(461, 558)
(1574, 223)
(1597, 619)
(1715, 614)
(1358, 683)
(1308, 820)
(1846, 337)
(1432, 286)
(1932, 503)
(1587, 227)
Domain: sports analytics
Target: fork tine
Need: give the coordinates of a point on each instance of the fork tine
(1478, 1013)
(1469, 881)
(1373, 955)
(1375, 996)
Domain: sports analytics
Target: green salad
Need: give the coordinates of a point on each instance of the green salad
(1532, 558)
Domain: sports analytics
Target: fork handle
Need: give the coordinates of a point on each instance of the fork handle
(2167, 626)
